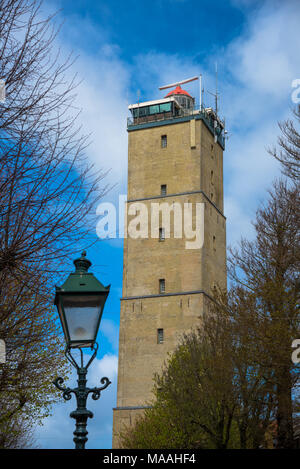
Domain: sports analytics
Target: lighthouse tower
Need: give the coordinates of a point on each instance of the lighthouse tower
(175, 159)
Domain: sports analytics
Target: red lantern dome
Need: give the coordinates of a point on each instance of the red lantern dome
(178, 91)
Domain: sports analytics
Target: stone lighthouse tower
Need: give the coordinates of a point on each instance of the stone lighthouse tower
(175, 160)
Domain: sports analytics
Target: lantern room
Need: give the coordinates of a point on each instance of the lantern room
(177, 102)
(182, 97)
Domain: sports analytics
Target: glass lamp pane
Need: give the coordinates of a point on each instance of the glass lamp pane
(62, 320)
(82, 316)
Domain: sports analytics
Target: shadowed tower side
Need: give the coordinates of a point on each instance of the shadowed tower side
(175, 156)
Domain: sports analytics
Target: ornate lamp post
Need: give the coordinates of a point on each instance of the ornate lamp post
(80, 302)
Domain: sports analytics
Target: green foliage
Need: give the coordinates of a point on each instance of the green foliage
(34, 357)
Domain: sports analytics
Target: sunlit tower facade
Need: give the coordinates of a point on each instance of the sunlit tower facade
(175, 156)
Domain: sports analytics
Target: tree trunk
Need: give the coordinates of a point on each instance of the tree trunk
(285, 439)
(243, 436)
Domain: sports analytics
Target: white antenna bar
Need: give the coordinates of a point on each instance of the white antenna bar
(178, 83)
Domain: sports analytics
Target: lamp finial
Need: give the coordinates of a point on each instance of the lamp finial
(82, 264)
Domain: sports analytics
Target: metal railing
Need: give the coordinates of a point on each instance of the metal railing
(208, 117)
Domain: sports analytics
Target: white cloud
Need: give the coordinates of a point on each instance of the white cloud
(266, 58)
(102, 98)
(101, 93)
(107, 366)
(261, 66)
(110, 329)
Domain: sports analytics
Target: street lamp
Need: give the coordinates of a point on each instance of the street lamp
(80, 302)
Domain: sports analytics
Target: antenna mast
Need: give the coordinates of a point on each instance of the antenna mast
(216, 94)
(216, 88)
(200, 91)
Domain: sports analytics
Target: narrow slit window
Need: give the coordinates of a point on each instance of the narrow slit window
(160, 336)
(163, 189)
(164, 141)
(162, 285)
(161, 234)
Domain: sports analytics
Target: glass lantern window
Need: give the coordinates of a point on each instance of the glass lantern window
(154, 109)
(82, 316)
(166, 107)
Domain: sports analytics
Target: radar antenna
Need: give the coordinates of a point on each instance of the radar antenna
(178, 83)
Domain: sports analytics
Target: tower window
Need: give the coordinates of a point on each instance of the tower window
(214, 243)
(161, 234)
(163, 141)
(160, 336)
(162, 285)
(163, 189)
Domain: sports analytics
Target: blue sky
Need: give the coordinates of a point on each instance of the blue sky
(126, 46)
